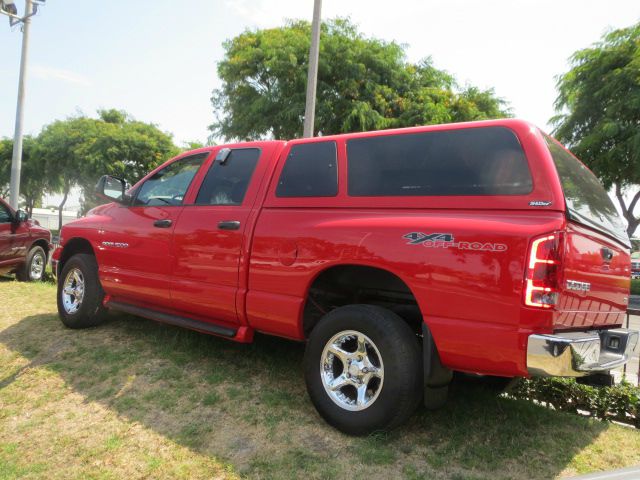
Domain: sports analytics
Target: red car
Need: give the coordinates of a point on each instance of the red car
(24, 245)
(398, 256)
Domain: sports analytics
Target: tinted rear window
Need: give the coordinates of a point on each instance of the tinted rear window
(587, 200)
(310, 171)
(474, 161)
(226, 183)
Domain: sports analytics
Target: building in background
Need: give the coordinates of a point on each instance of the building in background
(48, 217)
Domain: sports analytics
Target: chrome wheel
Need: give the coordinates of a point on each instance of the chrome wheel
(73, 291)
(37, 266)
(352, 371)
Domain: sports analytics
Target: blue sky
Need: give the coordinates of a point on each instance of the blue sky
(157, 59)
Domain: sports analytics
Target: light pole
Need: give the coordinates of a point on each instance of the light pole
(7, 7)
(312, 75)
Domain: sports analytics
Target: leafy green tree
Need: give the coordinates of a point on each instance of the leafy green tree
(80, 149)
(599, 113)
(33, 178)
(363, 84)
(6, 151)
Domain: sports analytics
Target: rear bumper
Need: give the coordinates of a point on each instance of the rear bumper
(579, 353)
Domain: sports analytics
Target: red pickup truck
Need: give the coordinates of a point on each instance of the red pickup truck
(24, 245)
(399, 256)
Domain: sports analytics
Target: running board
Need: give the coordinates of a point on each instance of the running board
(173, 319)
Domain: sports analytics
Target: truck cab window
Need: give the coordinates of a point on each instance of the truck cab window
(5, 216)
(226, 182)
(169, 185)
(473, 161)
(311, 170)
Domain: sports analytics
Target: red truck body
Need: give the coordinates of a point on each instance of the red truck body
(462, 264)
(24, 244)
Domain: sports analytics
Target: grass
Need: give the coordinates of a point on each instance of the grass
(137, 399)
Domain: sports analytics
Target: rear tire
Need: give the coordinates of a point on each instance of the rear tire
(80, 293)
(34, 265)
(345, 347)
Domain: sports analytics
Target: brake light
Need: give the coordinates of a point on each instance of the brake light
(543, 268)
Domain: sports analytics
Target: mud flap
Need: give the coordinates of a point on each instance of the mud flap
(436, 376)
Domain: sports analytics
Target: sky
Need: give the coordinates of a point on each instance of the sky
(157, 59)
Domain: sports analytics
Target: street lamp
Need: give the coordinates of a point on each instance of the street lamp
(8, 8)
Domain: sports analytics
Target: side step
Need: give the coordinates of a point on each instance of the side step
(173, 319)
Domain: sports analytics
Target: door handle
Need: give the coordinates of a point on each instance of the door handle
(229, 225)
(162, 223)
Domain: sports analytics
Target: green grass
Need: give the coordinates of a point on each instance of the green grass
(134, 398)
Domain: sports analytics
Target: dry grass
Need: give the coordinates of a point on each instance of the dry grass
(136, 399)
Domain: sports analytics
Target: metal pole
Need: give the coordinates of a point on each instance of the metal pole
(16, 161)
(312, 75)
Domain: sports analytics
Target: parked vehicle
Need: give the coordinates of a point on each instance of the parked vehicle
(635, 269)
(24, 245)
(399, 256)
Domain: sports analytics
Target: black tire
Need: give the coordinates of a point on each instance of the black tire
(399, 392)
(90, 311)
(34, 265)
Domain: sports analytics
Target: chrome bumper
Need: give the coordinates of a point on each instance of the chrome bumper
(579, 353)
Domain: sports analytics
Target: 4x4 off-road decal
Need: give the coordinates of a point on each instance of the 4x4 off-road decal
(446, 240)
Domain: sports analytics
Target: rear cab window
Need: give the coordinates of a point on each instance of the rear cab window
(310, 170)
(587, 201)
(475, 161)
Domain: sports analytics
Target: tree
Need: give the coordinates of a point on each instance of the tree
(33, 178)
(363, 84)
(599, 113)
(80, 149)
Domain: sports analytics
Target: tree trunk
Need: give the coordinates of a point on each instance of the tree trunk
(627, 212)
(30, 203)
(60, 207)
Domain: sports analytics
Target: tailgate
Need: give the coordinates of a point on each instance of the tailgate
(595, 281)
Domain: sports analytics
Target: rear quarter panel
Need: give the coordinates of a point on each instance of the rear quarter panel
(470, 299)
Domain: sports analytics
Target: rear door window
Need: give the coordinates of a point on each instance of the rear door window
(226, 183)
(473, 161)
(587, 200)
(311, 170)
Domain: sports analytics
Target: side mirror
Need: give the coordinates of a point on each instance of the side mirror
(113, 189)
(21, 216)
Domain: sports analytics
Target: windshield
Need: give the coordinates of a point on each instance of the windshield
(587, 200)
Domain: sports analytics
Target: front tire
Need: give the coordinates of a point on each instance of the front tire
(80, 294)
(34, 266)
(363, 369)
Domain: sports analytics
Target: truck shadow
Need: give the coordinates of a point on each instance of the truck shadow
(247, 405)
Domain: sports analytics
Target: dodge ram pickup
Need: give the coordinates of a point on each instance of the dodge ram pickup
(398, 256)
(24, 245)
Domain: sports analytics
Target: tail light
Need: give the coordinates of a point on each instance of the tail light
(542, 280)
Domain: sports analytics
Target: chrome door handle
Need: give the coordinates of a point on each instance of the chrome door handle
(229, 225)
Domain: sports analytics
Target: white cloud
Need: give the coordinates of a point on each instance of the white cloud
(67, 76)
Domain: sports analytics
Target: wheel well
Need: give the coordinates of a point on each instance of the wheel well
(74, 246)
(42, 243)
(349, 284)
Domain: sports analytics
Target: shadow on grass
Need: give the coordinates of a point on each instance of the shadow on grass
(247, 404)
